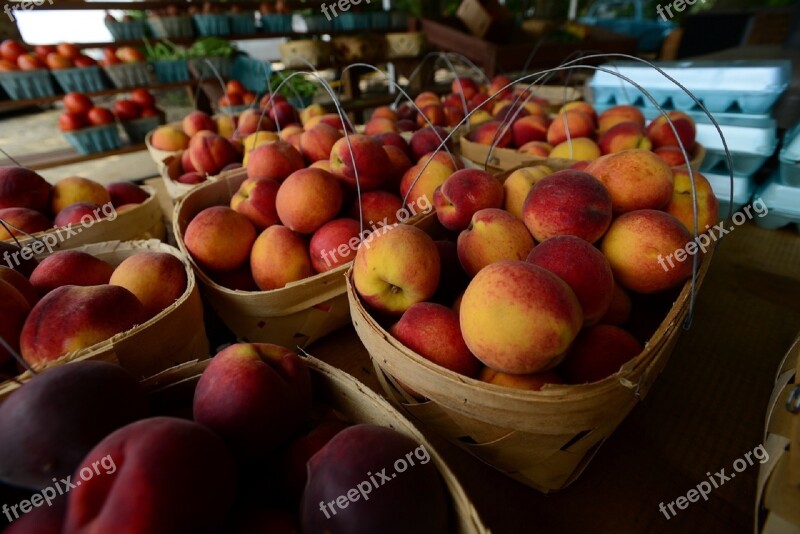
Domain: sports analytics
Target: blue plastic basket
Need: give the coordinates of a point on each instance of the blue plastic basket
(128, 75)
(276, 23)
(95, 139)
(170, 71)
(131, 30)
(242, 23)
(353, 21)
(137, 129)
(202, 70)
(22, 85)
(171, 27)
(252, 73)
(81, 80)
(212, 24)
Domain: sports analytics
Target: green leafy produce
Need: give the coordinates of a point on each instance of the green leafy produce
(296, 86)
(164, 50)
(212, 47)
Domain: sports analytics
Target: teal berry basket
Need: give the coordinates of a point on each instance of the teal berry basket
(81, 80)
(23, 85)
(137, 129)
(242, 23)
(95, 139)
(171, 71)
(129, 30)
(212, 24)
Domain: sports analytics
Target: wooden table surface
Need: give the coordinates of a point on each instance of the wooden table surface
(706, 410)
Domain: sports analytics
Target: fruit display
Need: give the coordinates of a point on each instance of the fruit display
(15, 56)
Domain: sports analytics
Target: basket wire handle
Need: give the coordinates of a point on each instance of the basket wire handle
(25, 365)
(6, 154)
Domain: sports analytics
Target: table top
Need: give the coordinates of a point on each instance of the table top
(704, 412)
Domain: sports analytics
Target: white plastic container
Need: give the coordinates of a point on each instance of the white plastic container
(739, 86)
(783, 202)
(743, 189)
(790, 157)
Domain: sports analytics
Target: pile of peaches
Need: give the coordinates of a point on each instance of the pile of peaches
(80, 112)
(29, 204)
(14, 56)
(578, 133)
(534, 279)
(256, 452)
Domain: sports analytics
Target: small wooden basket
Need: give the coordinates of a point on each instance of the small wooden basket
(153, 346)
(295, 315)
(543, 439)
(778, 491)
(172, 391)
(145, 221)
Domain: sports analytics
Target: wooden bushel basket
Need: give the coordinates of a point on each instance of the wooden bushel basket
(151, 347)
(543, 439)
(145, 221)
(172, 391)
(778, 490)
(295, 315)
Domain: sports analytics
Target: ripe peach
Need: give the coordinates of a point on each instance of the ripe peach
(122, 193)
(584, 268)
(255, 199)
(618, 114)
(76, 189)
(377, 125)
(598, 352)
(463, 194)
(624, 136)
(581, 149)
(519, 318)
(427, 140)
(219, 239)
(377, 206)
(426, 99)
(539, 149)
(251, 121)
(23, 188)
(169, 139)
(395, 140)
(274, 161)
(308, 199)
(314, 110)
(385, 112)
(19, 282)
(682, 203)
(493, 235)
(519, 184)
(528, 129)
(490, 133)
(427, 181)
(14, 310)
(316, 144)
(226, 126)
(21, 221)
(77, 213)
(465, 86)
(568, 203)
(645, 248)
(197, 121)
(209, 154)
(157, 279)
(334, 244)
(368, 159)
(636, 179)
(672, 155)
(577, 123)
(431, 115)
(69, 267)
(661, 134)
(279, 257)
(433, 332)
(453, 116)
(531, 382)
(580, 105)
(398, 164)
(620, 310)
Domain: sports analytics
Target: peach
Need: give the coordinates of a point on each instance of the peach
(493, 235)
(406, 125)
(465, 86)
(585, 270)
(641, 245)
(500, 87)
(331, 119)
(479, 117)
(226, 126)
(618, 114)
(283, 114)
(169, 139)
(568, 203)
(197, 121)
(71, 318)
(580, 149)
(463, 194)
(21, 221)
(398, 164)
(624, 136)
(672, 155)
(23, 188)
(620, 310)
(334, 244)
(581, 106)
(395, 268)
(20, 283)
(122, 193)
(251, 121)
(598, 352)
(426, 98)
(308, 199)
(531, 382)
(316, 144)
(491, 133)
(453, 116)
(14, 310)
(427, 140)
(395, 140)
(219, 239)
(636, 179)
(431, 115)
(377, 206)
(420, 182)
(80, 212)
(574, 122)
(288, 132)
(519, 318)
(255, 140)
(452, 278)
(509, 113)
(433, 332)
(157, 279)
(186, 162)
(255, 199)
(255, 397)
(314, 110)
(443, 157)
(661, 134)
(69, 267)
(682, 203)
(191, 178)
(274, 161)
(76, 189)
(367, 158)
(528, 129)
(279, 257)
(385, 112)
(324, 164)
(519, 184)
(211, 153)
(540, 149)
(378, 126)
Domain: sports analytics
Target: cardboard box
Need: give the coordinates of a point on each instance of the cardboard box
(486, 19)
